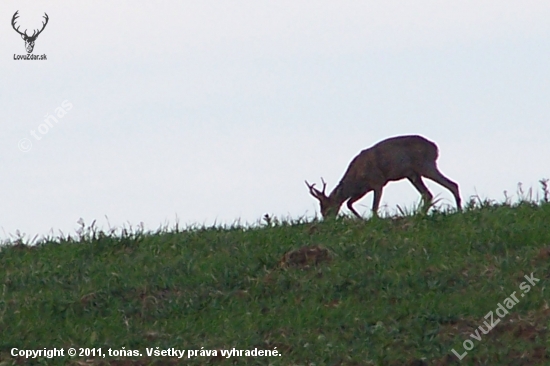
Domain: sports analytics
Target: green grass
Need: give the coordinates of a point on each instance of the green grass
(397, 291)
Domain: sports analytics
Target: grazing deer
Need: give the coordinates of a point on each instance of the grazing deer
(396, 158)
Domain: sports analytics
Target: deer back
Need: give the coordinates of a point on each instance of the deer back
(392, 159)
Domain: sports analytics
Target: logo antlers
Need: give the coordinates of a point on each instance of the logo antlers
(29, 40)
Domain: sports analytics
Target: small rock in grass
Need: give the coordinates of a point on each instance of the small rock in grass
(305, 257)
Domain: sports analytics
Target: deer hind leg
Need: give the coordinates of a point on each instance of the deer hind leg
(434, 174)
(427, 196)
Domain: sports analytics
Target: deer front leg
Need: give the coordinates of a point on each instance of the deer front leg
(354, 199)
(376, 201)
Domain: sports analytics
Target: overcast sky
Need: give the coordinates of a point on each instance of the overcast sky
(213, 111)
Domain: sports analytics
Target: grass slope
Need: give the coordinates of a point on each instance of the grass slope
(401, 291)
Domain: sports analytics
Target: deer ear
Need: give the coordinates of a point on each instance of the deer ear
(23, 36)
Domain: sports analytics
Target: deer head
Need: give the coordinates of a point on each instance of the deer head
(328, 207)
(29, 40)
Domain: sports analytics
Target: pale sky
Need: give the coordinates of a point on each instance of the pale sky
(214, 111)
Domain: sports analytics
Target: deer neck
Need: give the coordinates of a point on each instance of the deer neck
(338, 195)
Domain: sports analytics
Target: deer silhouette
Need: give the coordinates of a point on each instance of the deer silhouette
(393, 159)
(29, 40)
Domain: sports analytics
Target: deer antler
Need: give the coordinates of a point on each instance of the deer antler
(43, 26)
(312, 190)
(34, 33)
(15, 16)
(324, 185)
(315, 192)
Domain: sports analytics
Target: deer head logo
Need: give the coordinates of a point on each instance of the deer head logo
(29, 40)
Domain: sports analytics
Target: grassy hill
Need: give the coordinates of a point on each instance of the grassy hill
(392, 291)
